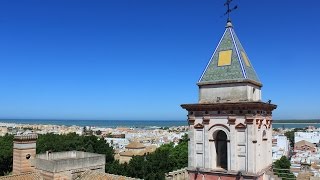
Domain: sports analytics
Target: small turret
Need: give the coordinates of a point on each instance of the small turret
(24, 151)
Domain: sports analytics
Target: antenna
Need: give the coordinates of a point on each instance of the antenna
(229, 10)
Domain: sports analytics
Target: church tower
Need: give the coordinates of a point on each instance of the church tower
(24, 151)
(230, 128)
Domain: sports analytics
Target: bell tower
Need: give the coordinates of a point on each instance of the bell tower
(230, 128)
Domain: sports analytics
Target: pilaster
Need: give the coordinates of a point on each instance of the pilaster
(207, 159)
(250, 144)
(233, 140)
(191, 144)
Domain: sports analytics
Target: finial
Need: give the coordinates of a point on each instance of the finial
(229, 10)
(229, 24)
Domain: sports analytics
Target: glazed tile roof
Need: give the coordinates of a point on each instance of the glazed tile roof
(229, 61)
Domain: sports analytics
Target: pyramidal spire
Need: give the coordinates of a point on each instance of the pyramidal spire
(229, 62)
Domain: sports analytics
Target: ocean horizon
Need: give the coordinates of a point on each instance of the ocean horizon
(129, 123)
(100, 123)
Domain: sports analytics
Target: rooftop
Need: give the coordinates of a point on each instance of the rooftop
(135, 145)
(62, 161)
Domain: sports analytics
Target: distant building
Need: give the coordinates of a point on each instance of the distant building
(117, 143)
(280, 147)
(134, 148)
(3, 130)
(312, 137)
(304, 146)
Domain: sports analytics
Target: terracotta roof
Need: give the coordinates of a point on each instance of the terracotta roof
(303, 143)
(150, 149)
(24, 176)
(90, 175)
(304, 175)
(135, 145)
(126, 153)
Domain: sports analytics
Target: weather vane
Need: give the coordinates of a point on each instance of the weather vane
(229, 10)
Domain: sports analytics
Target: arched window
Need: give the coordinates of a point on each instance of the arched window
(221, 149)
(264, 135)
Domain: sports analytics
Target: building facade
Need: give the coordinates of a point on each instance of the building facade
(230, 128)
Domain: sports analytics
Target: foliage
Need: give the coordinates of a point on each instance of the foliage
(55, 143)
(154, 165)
(6, 144)
(73, 141)
(290, 135)
(282, 168)
(151, 166)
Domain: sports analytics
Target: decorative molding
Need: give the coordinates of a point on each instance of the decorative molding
(229, 106)
(260, 123)
(222, 125)
(240, 126)
(206, 120)
(249, 119)
(191, 120)
(232, 120)
(198, 126)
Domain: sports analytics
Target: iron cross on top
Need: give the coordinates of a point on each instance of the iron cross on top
(229, 10)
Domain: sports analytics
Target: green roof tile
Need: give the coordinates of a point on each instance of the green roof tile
(238, 70)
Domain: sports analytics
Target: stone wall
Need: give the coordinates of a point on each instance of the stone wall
(24, 151)
(181, 174)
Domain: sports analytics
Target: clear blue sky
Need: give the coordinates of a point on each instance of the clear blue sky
(141, 59)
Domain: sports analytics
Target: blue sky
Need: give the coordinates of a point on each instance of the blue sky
(141, 59)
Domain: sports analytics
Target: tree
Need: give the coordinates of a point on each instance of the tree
(98, 132)
(154, 165)
(6, 145)
(72, 141)
(290, 136)
(282, 168)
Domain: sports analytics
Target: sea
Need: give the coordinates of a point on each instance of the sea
(132, 123)
(102, 123)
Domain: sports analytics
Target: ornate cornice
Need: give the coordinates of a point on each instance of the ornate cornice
(198, 126)
(232, 120)
(229, 106)
(240, 126)
(249, 119)
(191, 119)
(206, 120)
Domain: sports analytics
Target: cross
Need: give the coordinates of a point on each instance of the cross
(229, 10)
